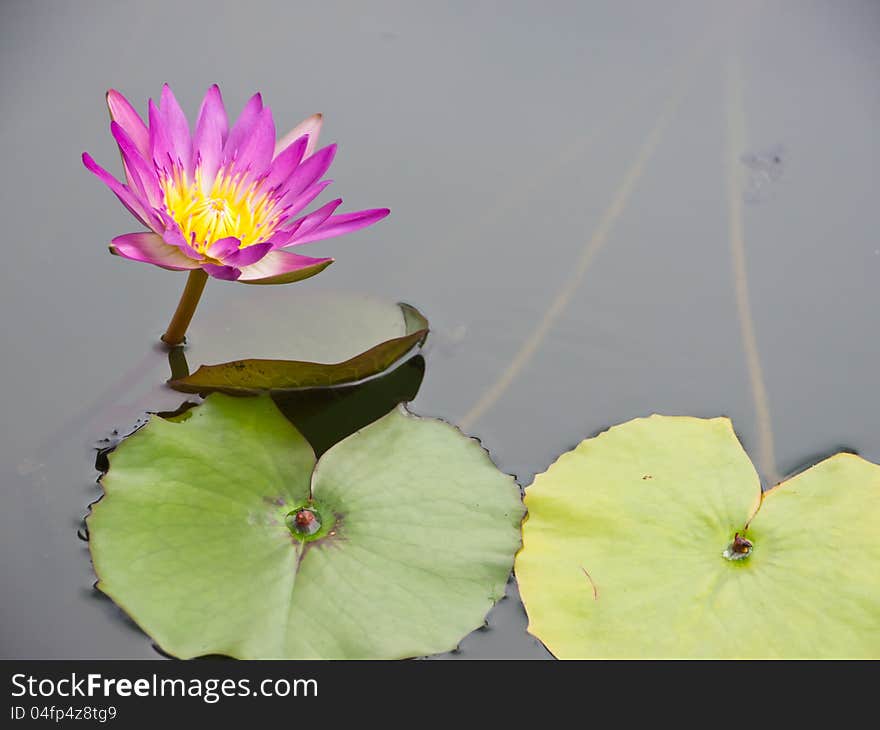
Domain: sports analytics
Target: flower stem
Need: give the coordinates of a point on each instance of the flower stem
(186, 307)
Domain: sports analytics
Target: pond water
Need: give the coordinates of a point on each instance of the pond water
(605, 210)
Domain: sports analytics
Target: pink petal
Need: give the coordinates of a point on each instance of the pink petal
(151, 249)
(285, 163)
(255, 152)
(137, 207)
(173, 237)
(211, 130)
(283, 237)
(124, 114)
(176, 129)
(242, 129)
(248, 255)
(338, 225)
(310, 126)
(229, 251)
(309, 223)
(296, 204)
(142, 177)
(223, 247)
(160, 144)
(227, 273)
(213, 112)
(282, 267)
(308, 173)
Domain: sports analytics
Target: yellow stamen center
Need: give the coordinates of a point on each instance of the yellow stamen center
(227, 208)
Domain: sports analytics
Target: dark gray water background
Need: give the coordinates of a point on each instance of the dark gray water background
(565, 180)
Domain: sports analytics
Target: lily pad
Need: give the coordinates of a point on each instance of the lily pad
(202, 535)
(653, 539)
(251, 375)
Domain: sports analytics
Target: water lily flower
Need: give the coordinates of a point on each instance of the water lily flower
(219, 201)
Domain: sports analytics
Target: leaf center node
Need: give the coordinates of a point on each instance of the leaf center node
(303, 522)
(739, 549)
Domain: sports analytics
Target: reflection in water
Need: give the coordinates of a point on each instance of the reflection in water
(325, 416)
(177, 362)
(597, 240)
(251, 375)
(122, 385)
(736, 137)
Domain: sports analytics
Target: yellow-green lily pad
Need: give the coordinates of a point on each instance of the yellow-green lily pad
(654, 539)
(219, 534)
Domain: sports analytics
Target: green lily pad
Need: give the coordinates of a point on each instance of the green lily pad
(249, 376)
(630, 549)
(201, 536)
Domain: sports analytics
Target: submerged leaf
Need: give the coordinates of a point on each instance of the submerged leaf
(251, 376)
(202, 539)
(648, 541)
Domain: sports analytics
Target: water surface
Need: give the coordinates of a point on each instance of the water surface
(565, 181)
